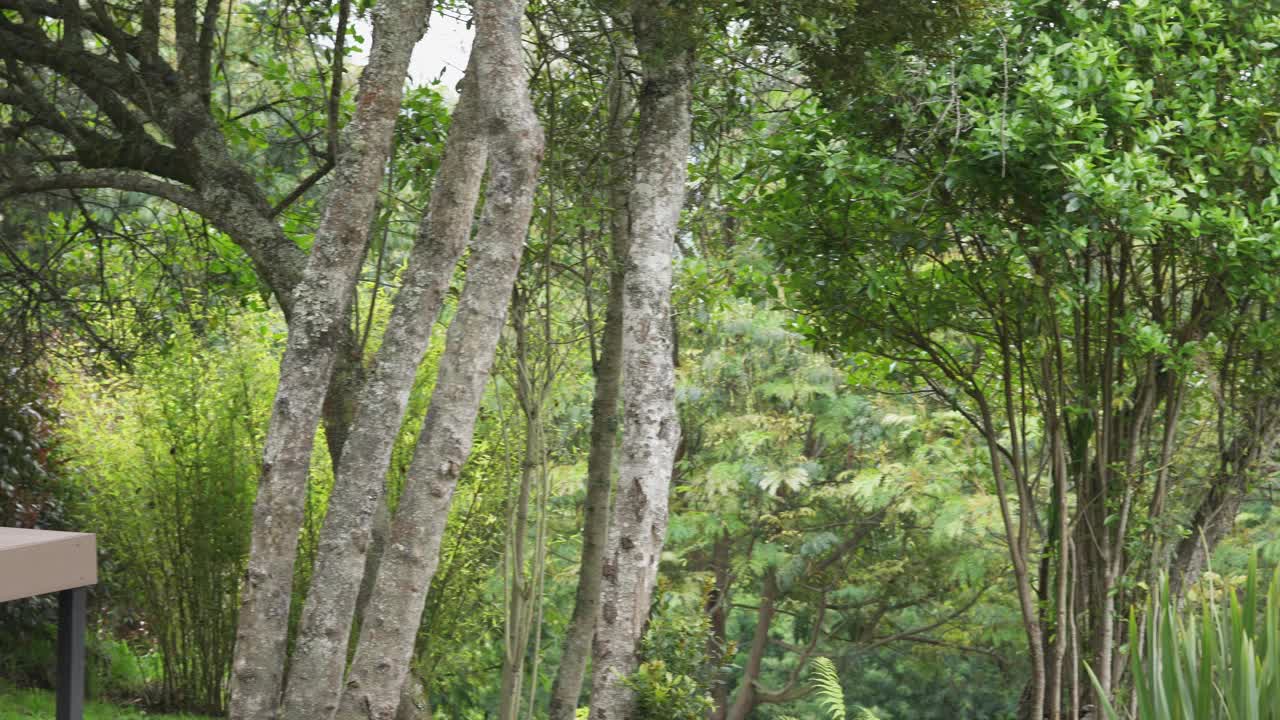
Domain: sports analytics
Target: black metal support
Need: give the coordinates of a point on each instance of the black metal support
(71, 630)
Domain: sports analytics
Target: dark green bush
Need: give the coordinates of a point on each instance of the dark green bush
(33, 495)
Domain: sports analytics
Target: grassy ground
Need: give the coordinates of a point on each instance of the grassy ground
(17, 704)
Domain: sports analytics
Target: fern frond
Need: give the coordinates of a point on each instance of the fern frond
(827, 684)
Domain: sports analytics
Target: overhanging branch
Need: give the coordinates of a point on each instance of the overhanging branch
(113, 179)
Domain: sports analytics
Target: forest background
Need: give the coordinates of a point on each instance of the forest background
(972, 326)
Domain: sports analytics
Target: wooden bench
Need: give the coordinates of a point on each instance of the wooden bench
(35, 562)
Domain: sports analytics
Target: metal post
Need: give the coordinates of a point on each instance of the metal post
(71, 630)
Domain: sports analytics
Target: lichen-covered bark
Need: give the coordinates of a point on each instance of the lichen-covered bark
(650, 427)
(391, 621)
(319, 659)
(604, 432)
(321, 303)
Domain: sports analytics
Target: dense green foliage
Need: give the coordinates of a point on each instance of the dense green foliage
(167, 461)
(976, 308)
(1067, 235)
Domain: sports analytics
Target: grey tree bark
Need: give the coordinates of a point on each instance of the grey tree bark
(321, 303)
(567, 687)
(153, 119)
(390, 625)
(651, 428)
(319, 659)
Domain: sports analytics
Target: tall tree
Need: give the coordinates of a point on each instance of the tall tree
(571, 672)
(387, 635)
(665, 40)
(115, 94)
(322, 302)
(318, 663)
(1062, 242)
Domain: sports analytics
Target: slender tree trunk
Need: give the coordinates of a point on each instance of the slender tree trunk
(321, 302)
(651, 428)
(718, 611)
(315, 672)
(1034, 698)
(391, 623)
(1240, 456)
(521, 598)
(567, 687)
(522, 587)
(744, 701)
(1216, 514)
(1052, 384)
(1062, 574)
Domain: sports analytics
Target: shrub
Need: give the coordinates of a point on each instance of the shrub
(170, 461)
(675, 673)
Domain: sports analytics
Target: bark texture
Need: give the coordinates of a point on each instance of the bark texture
(321, 304)
(315, 674)
(567, 686)
(651, 428)
(515, 143)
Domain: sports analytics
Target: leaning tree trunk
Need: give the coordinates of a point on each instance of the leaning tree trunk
(1215, 516)
(322, 302)
(651, 428)
(315, 672)
(744, 701)
(604, 433)
(391, 622)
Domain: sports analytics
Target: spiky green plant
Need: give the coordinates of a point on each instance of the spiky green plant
(1225, 665)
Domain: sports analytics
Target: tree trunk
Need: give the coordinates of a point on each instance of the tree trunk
(1216, 514)
(718, 610)
(567, 687)
(321, 302)
(523, 590)
(390, 626)
(315, 672)
(1032, 705)
(414, 704)
(744, 701)
(651, 428)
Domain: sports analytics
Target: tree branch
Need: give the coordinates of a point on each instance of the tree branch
(113, 179)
